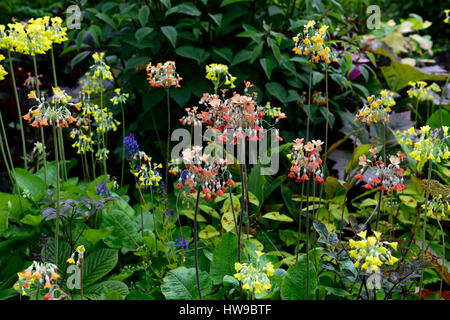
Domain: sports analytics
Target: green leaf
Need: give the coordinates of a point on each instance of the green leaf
(198, 54)
(144, 12)
(78, 58)
(3, 221)
(96, 33)
(107, 19)
(120, 238)
(336, 291)
(359, 151)
(277, 217)
(181, 95)
(224, 53)
(30, 182)
(31, 220)
(180, 284)
(277, 90)
(187, 8)
(288, 236)
(228, 2)
(95, 235)
(98, 264)
(293, 286)
(99, 291)
(217, 18)
(241, 56)
(190, 214)
(435, 119)
(142, 32)
(171, 33)
(267, 65)
(208, 232)
(224, 257)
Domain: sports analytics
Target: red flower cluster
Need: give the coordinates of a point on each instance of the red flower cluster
(387, 177)
(306, 161)
(208, 174)
(163, 75)
(236, 118)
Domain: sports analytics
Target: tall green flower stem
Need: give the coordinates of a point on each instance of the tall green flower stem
(424, 230)
(195, 245)
(444, 90)
(57, 194)
(307, 239)
(443, 254)
(60, 135)
(41, 129)
(86, 165)
(324, 166)
(417, 112)
(299, 222)
(309, 102)
(348, 184)
(19, 113)
(381, 192)
(168, 137)
(123, 149)
(8, 161)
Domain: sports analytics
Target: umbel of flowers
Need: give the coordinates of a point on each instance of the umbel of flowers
(208, 174)
(438, 207)
(425, 144)
(163, 75)
(55, 112)
(311, 42)
(236, 118)
(3, 72)
(371, 253)
(305, 161)
(79, 251)
(38, 272)
(219, 74)
(376, 109)
(386, 176)
(254, 275)
(421, 91)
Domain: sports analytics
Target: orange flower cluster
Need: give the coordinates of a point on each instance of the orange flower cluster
(163, 75)
(37, 272)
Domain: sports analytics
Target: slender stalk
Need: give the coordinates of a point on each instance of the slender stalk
(195, 245)
(299, 231)
(81, 278)
(307, 239)
(417, 112)
(443, 254)
(324, 166)
(19, 113)
(86, 165)
(247, 203)
(424, 230)
(57, 194)
(168, 137)
(309, 103)
(123, 149)
(41, 129)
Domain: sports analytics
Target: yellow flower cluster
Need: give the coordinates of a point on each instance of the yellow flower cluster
(438, 207)
(38, 272)
(3, 72)
(447, 16)
(104, 120)
(421, 92)
(273, 112)
(35, 37)
(145, 173)
(254, 276)
(311, 43)
(378, 108)
(426, 144)
(100, 70)
(80, 250)
(371, 253)
(119, 97)
(218, 74)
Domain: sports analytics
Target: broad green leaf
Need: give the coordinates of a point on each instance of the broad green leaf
(12, 200)
(187, 8)
(124, 230)
(227, 221)
(3, 221)
(198, 54)
(224, 257)
(294, 283)
(31, 220)
(241, 56)
(181, 284)
(267, 65)
(98, 291)
(277, 217)
(107, 19)
(171, 33)
(209, 211)
(190, 214)
(144, 12)
(142, 32)
(181, 95)
(78, 58)
(277, 90)
(30, 182)
(208, 232)
(228, 2)
(95, 235)
(289, 237)
(98, 264)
